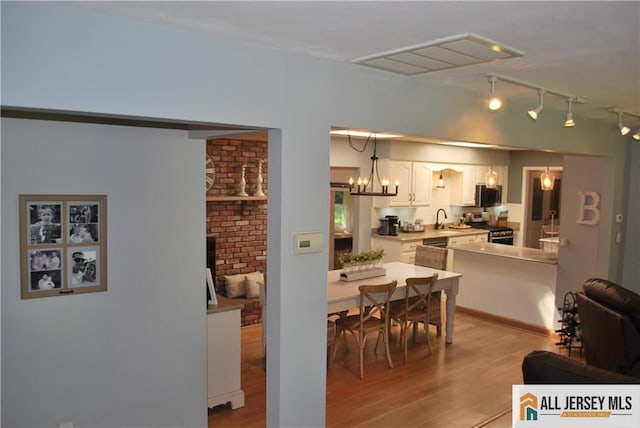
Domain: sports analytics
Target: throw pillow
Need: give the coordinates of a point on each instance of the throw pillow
(234, 285)
(252, 286)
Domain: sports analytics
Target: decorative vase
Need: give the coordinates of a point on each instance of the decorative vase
(243, 182)
(259, 181)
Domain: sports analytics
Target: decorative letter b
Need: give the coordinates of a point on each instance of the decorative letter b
(588, 211)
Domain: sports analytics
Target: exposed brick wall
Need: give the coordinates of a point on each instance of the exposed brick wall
(240, 230)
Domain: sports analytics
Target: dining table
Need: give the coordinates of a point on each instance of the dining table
(344, 295)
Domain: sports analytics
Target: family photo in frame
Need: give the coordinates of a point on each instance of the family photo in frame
(63, 244)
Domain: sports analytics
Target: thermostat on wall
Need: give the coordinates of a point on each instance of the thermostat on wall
(307, 242)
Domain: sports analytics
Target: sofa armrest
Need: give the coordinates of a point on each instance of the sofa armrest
(544, 367)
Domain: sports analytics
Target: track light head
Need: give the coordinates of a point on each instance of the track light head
(624, 130)
(636, 136)
(533, 114)
(569, 122)
(495, 103)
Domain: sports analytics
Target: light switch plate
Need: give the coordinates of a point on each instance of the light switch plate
(307, 243)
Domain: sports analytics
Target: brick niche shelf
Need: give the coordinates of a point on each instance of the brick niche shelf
(239, 223)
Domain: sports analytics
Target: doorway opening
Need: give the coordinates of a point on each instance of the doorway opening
(342, 209)
(541, 207)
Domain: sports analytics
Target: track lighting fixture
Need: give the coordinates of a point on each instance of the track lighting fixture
(571, 98)
(533, 114)
(569, 122)
(624, 130)
(494, 102)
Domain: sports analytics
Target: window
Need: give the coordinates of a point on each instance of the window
(342, 211)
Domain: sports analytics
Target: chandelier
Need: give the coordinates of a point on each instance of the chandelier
(365, 186)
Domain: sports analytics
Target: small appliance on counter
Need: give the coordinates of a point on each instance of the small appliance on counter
(389, 225)
(418, 226)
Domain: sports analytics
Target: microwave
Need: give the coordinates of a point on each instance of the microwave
(486, 197)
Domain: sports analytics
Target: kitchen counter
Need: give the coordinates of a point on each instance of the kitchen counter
(432, 233)
(493, 274)
(510, 251)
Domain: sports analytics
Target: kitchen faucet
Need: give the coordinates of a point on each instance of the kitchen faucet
(439, 225)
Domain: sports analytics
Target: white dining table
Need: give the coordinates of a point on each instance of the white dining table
(343, 295)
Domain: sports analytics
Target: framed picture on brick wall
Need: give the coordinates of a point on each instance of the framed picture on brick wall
(63, 244)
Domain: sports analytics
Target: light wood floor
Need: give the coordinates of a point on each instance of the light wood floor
(466, 384)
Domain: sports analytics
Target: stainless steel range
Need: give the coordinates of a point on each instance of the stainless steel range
(497, 234)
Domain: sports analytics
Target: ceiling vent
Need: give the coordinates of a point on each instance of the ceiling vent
(442, 54)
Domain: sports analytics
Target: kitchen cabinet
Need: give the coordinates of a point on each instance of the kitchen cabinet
(457, 240)
(463, 185)
(402, 248)
(396, 250)
(414, 183)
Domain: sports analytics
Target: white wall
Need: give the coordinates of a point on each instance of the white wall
(115, 358)
(630, 228)
(577, 260)
(60, 58)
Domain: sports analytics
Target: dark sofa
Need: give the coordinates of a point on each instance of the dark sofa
(610, 323)
(544, 367)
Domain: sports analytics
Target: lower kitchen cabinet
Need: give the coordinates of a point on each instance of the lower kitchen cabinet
(457, 240)
(403, 249)
(396, 250)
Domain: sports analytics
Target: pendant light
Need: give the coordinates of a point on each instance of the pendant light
(440, 181)
(547, 179)
(491, 179)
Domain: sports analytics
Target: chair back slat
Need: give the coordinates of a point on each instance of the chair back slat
(418, 292)
(374, 300)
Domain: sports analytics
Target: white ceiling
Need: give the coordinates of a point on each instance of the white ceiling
(577, 47)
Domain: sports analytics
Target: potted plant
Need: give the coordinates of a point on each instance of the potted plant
(364, 260)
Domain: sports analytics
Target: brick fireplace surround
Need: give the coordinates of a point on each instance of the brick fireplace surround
(240, 229)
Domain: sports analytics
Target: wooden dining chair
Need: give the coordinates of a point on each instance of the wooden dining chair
(436, 258)
(418, 295)
(372, 317)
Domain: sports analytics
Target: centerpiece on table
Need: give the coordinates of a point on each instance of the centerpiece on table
(366, 264)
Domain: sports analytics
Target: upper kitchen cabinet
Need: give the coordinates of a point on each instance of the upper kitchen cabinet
(414, 183)
(463, 185)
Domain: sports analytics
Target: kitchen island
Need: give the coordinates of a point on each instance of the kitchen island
(516, 285)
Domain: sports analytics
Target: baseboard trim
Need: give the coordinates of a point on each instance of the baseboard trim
(508, 321)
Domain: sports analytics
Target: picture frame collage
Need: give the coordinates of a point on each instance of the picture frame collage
(63, 244)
